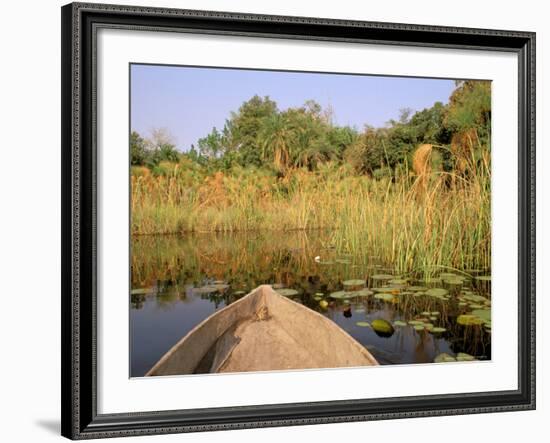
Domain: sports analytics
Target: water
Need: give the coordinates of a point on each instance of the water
(166, 270)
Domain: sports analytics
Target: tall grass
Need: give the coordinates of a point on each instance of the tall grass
(403, 221)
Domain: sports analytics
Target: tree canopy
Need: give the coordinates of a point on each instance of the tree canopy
(260, 135)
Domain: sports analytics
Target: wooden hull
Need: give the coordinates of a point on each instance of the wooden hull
(263, 331)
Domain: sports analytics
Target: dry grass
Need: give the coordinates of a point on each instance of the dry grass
(445, 227)
(422, 166)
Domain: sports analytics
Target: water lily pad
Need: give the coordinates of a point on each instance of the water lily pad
(399, 323)
(398, 281)
(323, 304)
(462, 356)
(340, 295)
(140, 291)
(363, 324)
(287, 292)
(437, 292)
(382, 327)
(398, 288)
(462, 303)
(484, 314)
(219, 282)
(386, 289)
(484, 278)
(475, 306)
(417, 288)
(381, 277)
(444, 358)
(356, 282)
(428, 313)
(435, 313)
(469, 320)
(239, 293)
(319, 294)
(438, 330)
(277, 286)
(385, 297)
(454, 281)
(475, 298)
(433, 318)
(416, 323)
(418, 327)
(363, 293)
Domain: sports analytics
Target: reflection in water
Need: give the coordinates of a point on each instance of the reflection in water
(179, 281)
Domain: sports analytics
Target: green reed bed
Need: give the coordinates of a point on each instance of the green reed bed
(415, 225)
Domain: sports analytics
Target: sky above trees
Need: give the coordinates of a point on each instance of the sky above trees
(189, 101)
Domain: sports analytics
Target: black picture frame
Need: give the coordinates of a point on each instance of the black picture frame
(79, 175)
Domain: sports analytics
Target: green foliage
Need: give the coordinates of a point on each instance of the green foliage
(242, 129)
(260, 135)
(211, 146)
(470, 106)
(277, 140)
(151, 152)
(138, 151)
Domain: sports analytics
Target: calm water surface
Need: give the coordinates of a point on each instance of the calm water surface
(167, 270)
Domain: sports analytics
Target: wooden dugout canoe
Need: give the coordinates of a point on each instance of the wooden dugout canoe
(263, 331)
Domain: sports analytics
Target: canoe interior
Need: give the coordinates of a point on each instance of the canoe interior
(263, 331)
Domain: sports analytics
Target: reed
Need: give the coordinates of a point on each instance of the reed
(412, 222)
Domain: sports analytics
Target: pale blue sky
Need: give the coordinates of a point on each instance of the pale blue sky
(190, 101)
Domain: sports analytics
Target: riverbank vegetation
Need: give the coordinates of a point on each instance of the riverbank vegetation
(416, 193)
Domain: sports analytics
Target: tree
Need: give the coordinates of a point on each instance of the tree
(161, 147)
(469, 106)
(276, 139)
(340, 138)
(211, 145)
(405, 115)
(368, 151)
(138, 150)
(193, 154)
(243, 127)
(468, 119)
(160, 137)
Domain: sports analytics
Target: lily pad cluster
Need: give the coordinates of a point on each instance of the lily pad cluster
(478, 317)
(354, 283)
(473, 300)
(447, 358)
(345, 295)
(287, 292)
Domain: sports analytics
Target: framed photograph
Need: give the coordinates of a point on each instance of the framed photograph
(273, 221)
